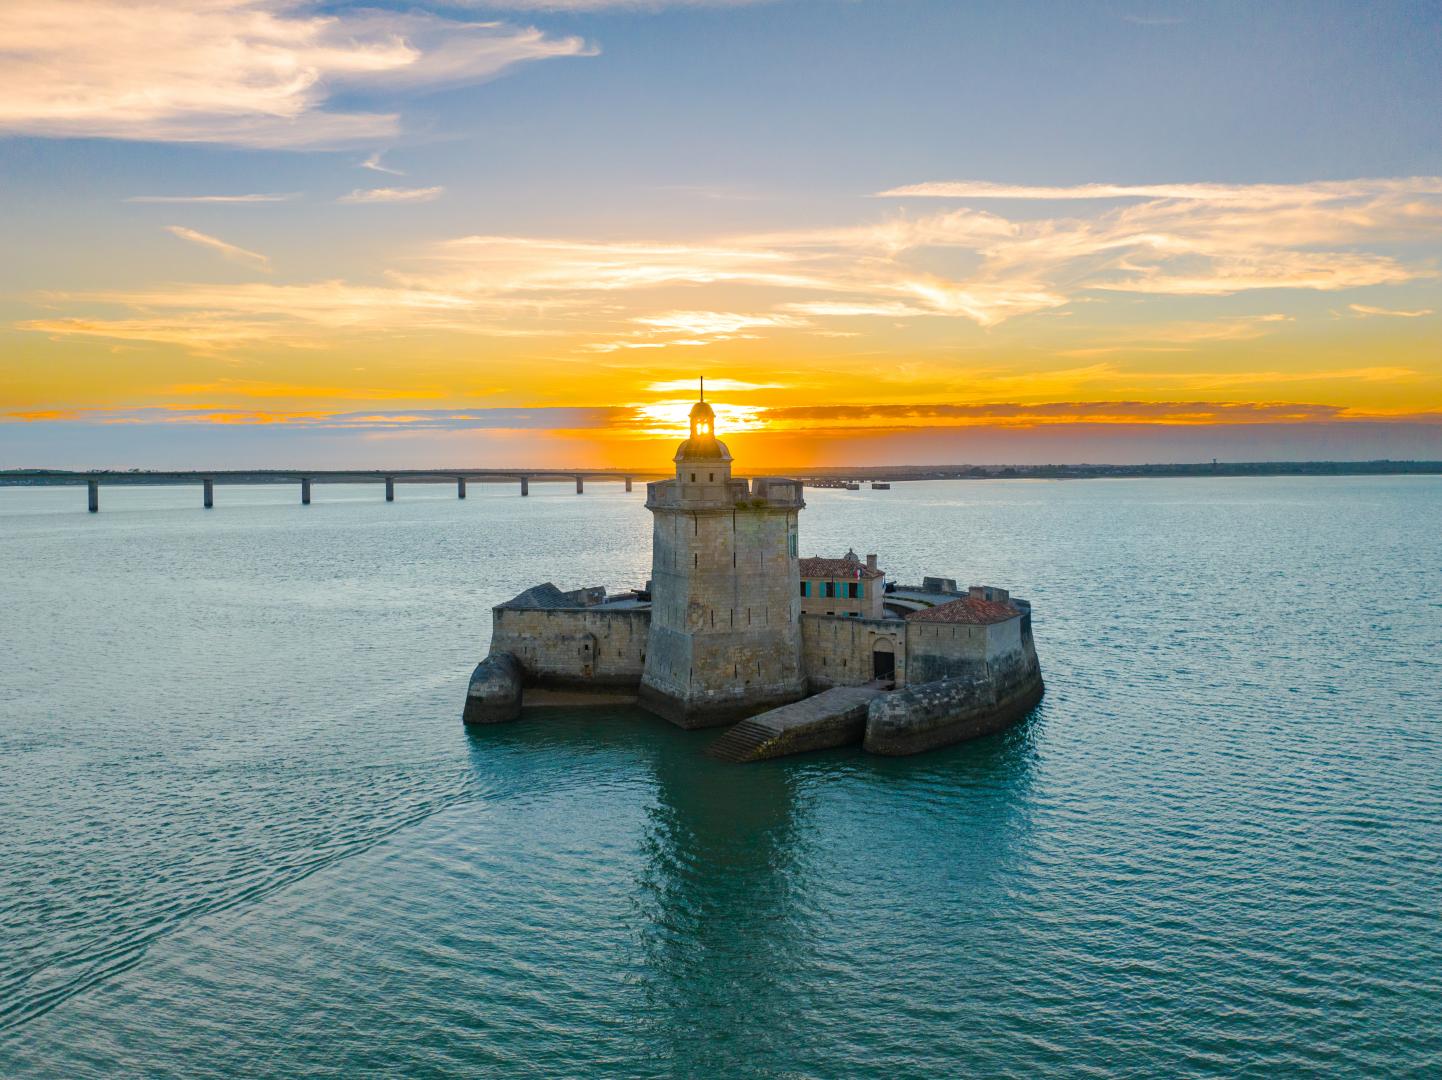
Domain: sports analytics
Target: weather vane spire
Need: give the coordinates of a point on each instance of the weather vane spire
(703, 387)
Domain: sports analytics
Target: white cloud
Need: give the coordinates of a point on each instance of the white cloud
(1256, 195)
(246, 72)
(375, 165)
(720, 386)
(261, 198)
(392, 195)
(957, 264)
(543, 265)
(711, 323)
(230, 251)
(850, 309)
(1365, 310)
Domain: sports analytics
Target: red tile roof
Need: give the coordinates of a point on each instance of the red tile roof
(966, 610)
(837, 569)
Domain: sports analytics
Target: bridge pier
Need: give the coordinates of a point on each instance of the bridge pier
(390, 489)
(580, 486)
(525, 485)
(94, 486)
(305, 491)
(209, 492)
(628, 483)
(460, 487)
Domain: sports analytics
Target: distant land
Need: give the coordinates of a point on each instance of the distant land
(884, 473)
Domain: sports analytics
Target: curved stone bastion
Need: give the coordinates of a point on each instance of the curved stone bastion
(736, 629)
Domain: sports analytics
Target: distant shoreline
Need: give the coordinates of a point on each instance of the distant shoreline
(860, 473)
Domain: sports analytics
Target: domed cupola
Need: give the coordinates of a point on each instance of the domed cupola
(703, 444)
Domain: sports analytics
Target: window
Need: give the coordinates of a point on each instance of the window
(830, 589)
(852, 591)
(806, 588)
(693, 478)
(710, 476)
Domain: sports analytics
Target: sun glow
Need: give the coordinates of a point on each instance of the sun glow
(672, 419)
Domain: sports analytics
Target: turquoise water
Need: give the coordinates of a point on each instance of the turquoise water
(246, 834)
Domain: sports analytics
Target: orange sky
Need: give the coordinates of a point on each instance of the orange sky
(205, 248)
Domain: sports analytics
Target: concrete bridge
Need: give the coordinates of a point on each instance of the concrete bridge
(207, 480)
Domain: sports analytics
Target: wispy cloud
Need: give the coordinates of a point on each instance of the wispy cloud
(246, 72)
(1366, 310)
(697, 328)
(209, 318)
(959, 263)
(556, 418)
(393, 195)
(720, 386)
(1254, 195)
(272, 197)
(715, 323)
(214, 243)
(852, 309)
(375, 165)
(659, 420)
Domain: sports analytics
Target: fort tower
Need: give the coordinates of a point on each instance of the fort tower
(725, 635)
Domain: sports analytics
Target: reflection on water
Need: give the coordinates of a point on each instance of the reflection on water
(722, 905)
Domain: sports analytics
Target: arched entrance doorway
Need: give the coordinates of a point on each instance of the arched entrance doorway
(883, 660)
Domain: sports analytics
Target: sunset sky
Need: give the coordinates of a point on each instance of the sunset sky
(280, 233)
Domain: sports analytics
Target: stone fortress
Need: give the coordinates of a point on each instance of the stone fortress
(735, 628)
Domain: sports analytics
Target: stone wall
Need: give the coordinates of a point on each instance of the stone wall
(979, 680)
(581, 647)
(838, 650)
(927, 715)
(960, 650)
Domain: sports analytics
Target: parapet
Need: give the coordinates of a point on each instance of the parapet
(763, 492)
(547, 597)
(778, 491)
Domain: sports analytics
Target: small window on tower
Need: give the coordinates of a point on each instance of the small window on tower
(710, 476)
(693, 478)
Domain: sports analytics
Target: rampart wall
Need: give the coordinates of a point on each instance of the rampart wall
(574, 646)
(837, 650)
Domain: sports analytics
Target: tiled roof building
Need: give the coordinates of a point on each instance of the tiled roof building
(848, 568)
(969, 610)
(844, 586)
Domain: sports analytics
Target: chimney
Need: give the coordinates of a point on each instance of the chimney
(871, 562)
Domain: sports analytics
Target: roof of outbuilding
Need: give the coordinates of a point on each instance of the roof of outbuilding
(966, 610)
(541, 596)
(845, 568)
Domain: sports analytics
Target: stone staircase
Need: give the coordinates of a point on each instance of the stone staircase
(835, 717)
(743, 741)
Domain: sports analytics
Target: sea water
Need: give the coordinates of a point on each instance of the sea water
(243, 831)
